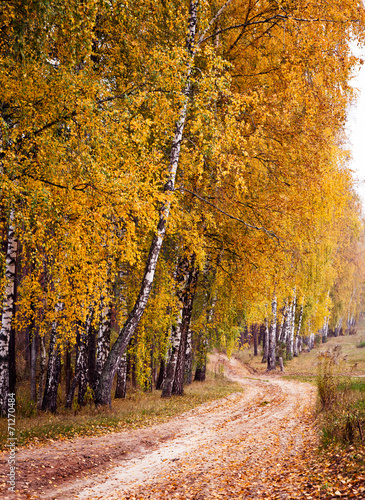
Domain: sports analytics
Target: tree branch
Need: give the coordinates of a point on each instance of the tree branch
(269, 233)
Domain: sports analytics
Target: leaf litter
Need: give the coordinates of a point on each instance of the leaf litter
(236, 447)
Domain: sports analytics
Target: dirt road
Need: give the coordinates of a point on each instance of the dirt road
(231, 448)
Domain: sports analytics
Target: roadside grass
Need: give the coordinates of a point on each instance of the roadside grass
(139, 409)
(337, 468)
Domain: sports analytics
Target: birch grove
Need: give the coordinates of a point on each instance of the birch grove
(135, 137)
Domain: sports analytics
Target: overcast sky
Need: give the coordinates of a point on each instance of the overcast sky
(356, 130)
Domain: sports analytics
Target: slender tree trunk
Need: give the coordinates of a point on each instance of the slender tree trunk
(42, 370)
(325, 330)
(283, 317)
(338, 327)
(291, 329)
(298, 337)
(53, 373)
(272, 337)
(121, 388)
(201, 358)
(266, 342)
(102, 343)
(188, 300)
(161, 374)
(200, 373)
(103, 392)
(81, 377)
(91, 356)
(255, 333)
(7, 314)
(171, 364)
(188, 377)
(33, 361)
(68, 369)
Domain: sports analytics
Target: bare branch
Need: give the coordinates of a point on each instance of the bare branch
(269, 233)
(212, 21)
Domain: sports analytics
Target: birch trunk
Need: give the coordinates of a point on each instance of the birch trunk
(33, 362)
(121, 388)
(103, 392)
(272, 337)
(91, 355)
(265, 356)
(298, 337)
(188, 300)
(42, 369)
(53, 373)
(68, 369)
(188, 377)
(291, 329)
(325, 330)
(255, 332)
(338, 327)
(171, 364)
(102, 342)
(7, 314)
(281, 334)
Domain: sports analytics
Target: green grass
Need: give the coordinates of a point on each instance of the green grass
(139, 409)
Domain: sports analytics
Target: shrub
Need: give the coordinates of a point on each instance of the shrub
(341, 401)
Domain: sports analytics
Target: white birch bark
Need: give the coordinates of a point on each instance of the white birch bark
(188, 359)
(53, 369)
(338, 327)
(174, 351)
(102, 340)
(272, 337)
(121, 388)
(281, 328)
(266, 346)
(291, 328)
(103, 392)
(7, 313)
(298, 337)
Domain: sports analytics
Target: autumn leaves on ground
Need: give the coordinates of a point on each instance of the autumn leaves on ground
(260, 442)
(175, 181)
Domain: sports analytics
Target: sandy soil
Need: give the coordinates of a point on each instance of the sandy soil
(259, 430)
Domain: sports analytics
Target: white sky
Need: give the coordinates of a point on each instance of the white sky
(356, 130)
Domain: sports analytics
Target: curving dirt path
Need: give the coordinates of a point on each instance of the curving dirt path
(230, 448)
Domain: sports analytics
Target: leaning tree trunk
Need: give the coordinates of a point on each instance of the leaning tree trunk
(7, 314)
(188, 300)
(53, 373)
(271, 358)
(103, 392)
